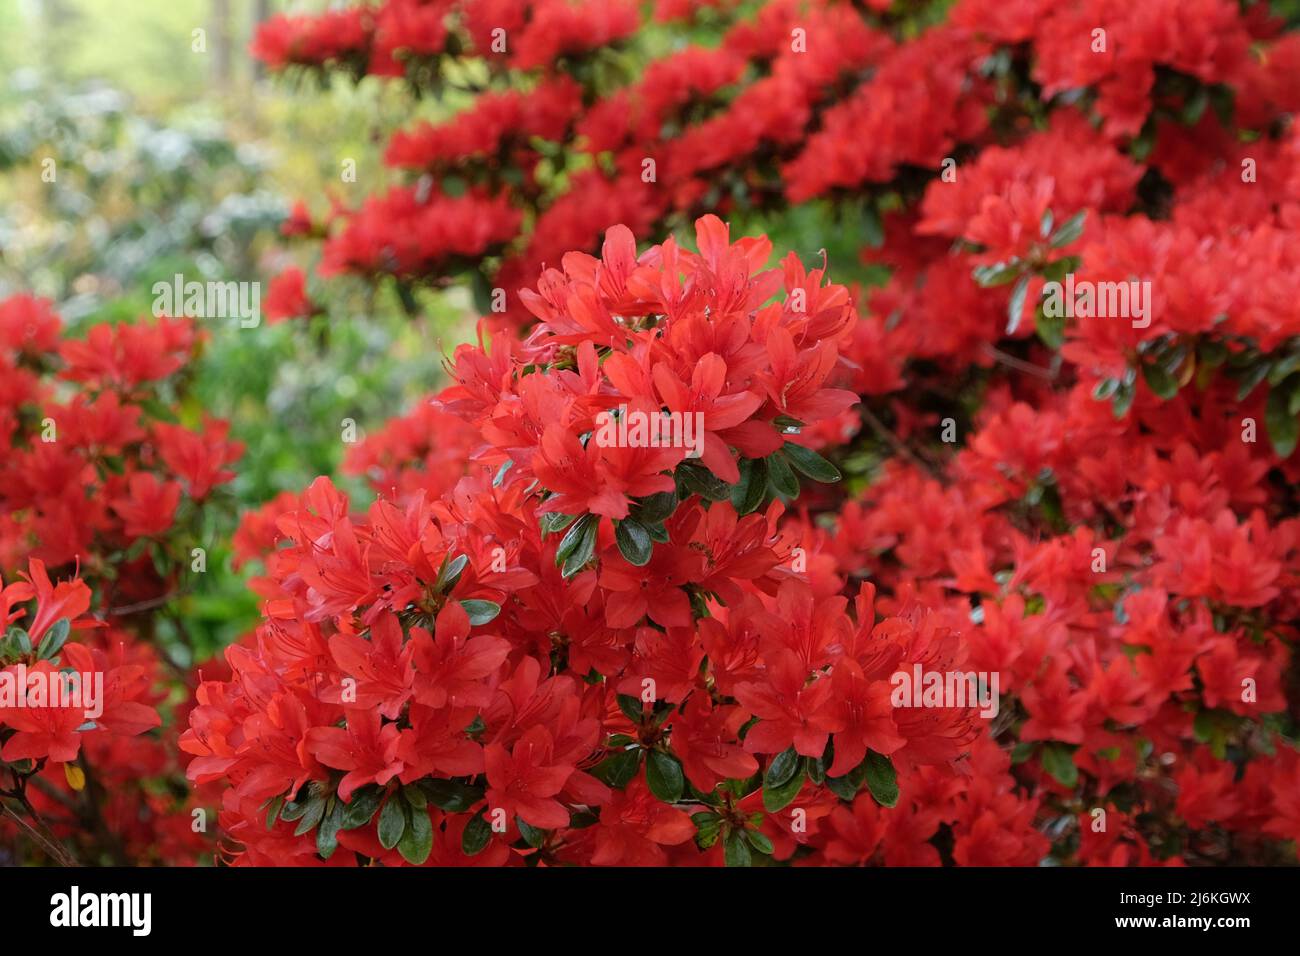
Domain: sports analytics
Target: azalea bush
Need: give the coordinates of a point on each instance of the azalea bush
(974, 326)
(538, 647)
(109, 506)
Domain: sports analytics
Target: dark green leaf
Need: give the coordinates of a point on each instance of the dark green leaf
(781, 477)
(634, 542)
(1058, 760)
(315, 811)
(735, 851)
(708, 828)
(748, 493)
(1283, 426)
(327, 837)
(811, 464)
(481, 612)
(847, 786)
(532, 836)
(53, 640)
(417, 840)
(882, 781)
(476, 836)
(450, 573)
(782, 768)
(759, 842)
(999, 273)
(584, 547)
(656, 508)
(553, 521)
(1069, 230)
(361, 808)
(701, 481)
(617, 770)
(664, 775)
(630, 706)
(779, 797)
(392, 821)
(273, 811)
(1016, 305)
(1164, 385)
(451, 796)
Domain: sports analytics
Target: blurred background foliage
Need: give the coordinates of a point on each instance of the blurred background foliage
(167, 160)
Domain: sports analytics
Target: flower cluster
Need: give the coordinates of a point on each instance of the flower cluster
(100, 485)
(583, 651)
(1067, 419)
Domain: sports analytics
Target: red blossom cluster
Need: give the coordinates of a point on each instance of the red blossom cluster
(640, 656)
(98, 485)
(582, 652)
(575, 127)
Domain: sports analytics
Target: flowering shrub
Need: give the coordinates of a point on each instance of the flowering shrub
(601, 653)
(100, 487)
(1065, 424)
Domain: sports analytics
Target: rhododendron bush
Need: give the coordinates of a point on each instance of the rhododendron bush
(878, 447)
(105, 497)
(538, 646)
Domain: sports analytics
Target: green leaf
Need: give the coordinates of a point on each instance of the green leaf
(1058, 760)
(999, 273)
(417, 840)
(1250, 378)
(1123, 399)
(811, 464)
(553, 521)
(476, 836)
(359, 811)
(53, 640)
(573, 538)
(327, 837)
(293, 811)
(708, 828)
(1051, 331)
(735, 850)
(780, 796)
(449, 795)
(631, 707)
(847, 786)
(1283, 427)
(882, 780)
(449, 573)
(392, 821)
(656, 508)
(664, 775)
(701, 481)
(782, 768)
(759, 842)
(583, 535)
(273, 811)
(634, 542)
(1281, 369)
(1164, 385)
(748, 493)
(531, 834)
(1069, 230)
(1016, 305)
(315, 811)
(481, 612)
(781, 477)
(615, 771)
